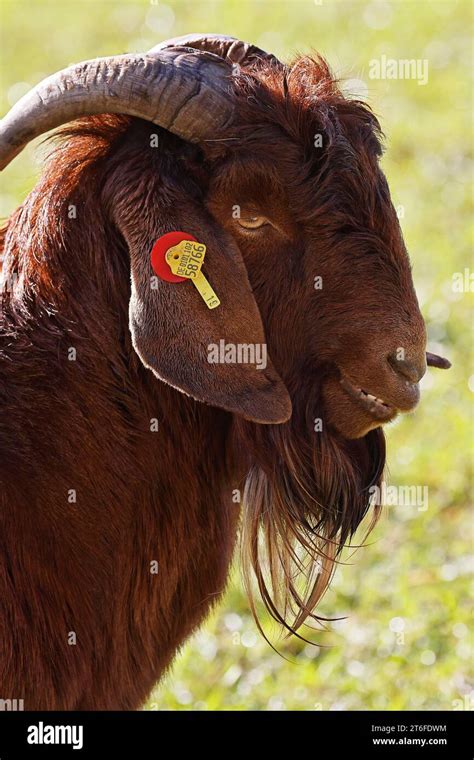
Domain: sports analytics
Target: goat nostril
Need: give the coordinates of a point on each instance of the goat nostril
(411, 370)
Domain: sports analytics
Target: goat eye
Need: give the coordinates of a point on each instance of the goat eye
(253, 222)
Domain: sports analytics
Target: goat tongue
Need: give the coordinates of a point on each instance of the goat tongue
(433, 360)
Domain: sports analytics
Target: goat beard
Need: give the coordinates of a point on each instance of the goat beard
(305, 495)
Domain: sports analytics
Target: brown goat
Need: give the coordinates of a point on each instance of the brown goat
(94, 499)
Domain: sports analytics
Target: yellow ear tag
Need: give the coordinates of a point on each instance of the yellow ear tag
(186, 260)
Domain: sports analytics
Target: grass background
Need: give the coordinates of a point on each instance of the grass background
(403, 642)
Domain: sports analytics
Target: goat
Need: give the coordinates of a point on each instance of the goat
(126, 455)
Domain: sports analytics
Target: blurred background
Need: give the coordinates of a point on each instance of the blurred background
(402, 641)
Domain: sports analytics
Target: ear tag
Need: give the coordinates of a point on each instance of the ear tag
(177, 257)
(185, 260)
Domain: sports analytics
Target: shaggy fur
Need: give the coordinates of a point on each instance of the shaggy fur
(90, 494)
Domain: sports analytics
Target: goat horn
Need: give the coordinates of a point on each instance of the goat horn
(229, 48)
(433, 360)
(185, 91)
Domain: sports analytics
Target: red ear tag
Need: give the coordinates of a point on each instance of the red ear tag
(158, 253)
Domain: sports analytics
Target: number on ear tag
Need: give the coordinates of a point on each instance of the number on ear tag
(186, 260)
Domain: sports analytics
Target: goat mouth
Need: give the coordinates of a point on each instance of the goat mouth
(376, 407)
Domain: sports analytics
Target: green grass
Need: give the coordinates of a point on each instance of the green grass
(404, 642)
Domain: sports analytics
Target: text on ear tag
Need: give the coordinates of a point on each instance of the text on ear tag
(185, 260)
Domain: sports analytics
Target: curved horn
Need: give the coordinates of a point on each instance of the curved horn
(185, 91)
(229, 48)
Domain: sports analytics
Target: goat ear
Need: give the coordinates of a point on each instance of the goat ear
(173, 329)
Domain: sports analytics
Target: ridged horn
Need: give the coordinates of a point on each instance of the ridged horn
(229, 48)
(185, 91)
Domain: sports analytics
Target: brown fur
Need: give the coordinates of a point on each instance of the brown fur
(85, 424)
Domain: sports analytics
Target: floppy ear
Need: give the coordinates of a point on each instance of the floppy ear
(172, 328)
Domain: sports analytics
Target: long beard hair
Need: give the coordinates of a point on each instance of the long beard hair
(305, 494)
